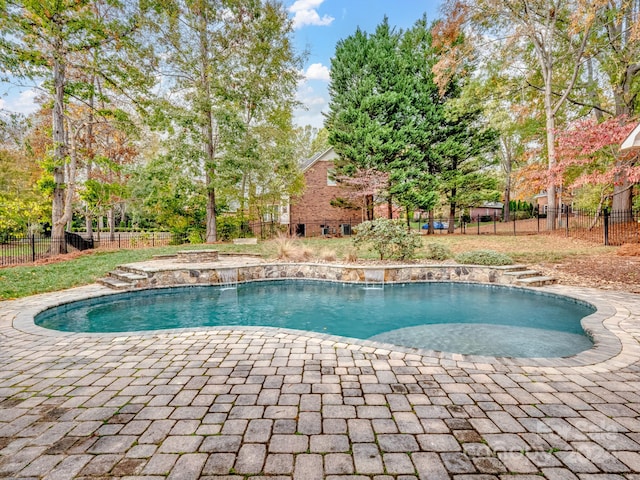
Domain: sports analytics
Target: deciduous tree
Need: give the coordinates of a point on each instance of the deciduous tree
(589, 154)
(557, 32)
(50, 39)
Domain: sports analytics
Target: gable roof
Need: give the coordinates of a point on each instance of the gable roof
(632, 141)
(328, 154)
(496, 205)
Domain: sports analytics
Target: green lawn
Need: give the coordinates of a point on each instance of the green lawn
(21, 281)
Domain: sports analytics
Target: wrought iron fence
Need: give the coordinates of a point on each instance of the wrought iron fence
(600, 226)
(604, 227)
(18, 249)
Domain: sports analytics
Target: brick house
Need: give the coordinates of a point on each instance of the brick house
(312, 214)
(487, 210)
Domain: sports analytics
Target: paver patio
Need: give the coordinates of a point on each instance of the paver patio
(254, 402)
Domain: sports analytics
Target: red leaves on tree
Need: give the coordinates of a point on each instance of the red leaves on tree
(593, 149)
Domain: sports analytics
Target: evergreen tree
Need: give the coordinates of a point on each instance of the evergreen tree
(384, 110)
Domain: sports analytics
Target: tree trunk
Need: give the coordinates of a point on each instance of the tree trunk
(58, 219)
(551, 154)
(211, 235)
(111, 220)
(390, 208)
(408, 220)
(432, 218)
(452, 217)
(88, 223)
(507, 164)
(506, 209)
(369, 207)
(622, 202)
(87, 218)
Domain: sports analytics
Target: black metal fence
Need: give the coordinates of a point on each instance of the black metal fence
(18, 249)
(601, 226)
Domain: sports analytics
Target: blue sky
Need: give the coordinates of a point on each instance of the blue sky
(319, 25)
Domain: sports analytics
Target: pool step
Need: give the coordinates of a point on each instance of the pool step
(123, 279)
(537, 281)
(526, 277)
(519, 274)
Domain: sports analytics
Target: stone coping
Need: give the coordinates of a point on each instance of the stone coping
(614, 328)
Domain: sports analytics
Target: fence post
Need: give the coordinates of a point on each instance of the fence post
(478, 218)
(538, 216)
(118, 241)
(566, 219)
(153, 239)
(33, 247)
(514, 224)
(606, 225)
(494, 223)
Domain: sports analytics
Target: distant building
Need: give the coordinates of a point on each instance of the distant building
(312, 213)
(632, 142)
(487, 209)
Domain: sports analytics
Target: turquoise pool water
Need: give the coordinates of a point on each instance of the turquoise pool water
(451, 317)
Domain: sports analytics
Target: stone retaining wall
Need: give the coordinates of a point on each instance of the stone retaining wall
(197, 256)
(339, 273)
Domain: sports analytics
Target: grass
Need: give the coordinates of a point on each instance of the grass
(21, 281)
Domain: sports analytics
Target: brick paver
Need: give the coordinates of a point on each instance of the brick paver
(251, 402)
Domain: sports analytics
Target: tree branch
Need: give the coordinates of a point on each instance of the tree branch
(573, 101)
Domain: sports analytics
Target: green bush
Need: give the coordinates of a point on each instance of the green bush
(196, 236)
(229, 227)
(437, 251)
(389, 238)
(484, 257)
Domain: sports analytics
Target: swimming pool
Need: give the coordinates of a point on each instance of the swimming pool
(451, 317)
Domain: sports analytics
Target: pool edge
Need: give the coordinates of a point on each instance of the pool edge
(604, 326)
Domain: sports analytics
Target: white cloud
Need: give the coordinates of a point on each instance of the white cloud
(22, 101)
(305, 13)
(313, 104)
(317, 71)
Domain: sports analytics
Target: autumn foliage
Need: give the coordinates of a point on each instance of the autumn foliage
(589, 154)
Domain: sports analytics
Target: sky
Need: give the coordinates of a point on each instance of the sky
(319, 25)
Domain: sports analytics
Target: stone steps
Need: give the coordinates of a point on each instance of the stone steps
(522, 273)
(120, 279)
(535, 281)
(527, 277)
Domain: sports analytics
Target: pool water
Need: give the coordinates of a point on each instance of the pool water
(451, 317)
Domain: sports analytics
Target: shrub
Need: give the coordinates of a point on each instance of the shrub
(289, 248)
(437, 251)
(351, 255)
(327, 255)
(389, 238)
(484, 257)
(195, 236)
(228, 227)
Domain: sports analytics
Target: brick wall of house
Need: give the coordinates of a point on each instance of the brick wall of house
(476, 212)
(314, 207)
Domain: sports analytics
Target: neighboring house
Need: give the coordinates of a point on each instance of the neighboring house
(632, 142)
(487, 209)
(312, 214)
(542, 203)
